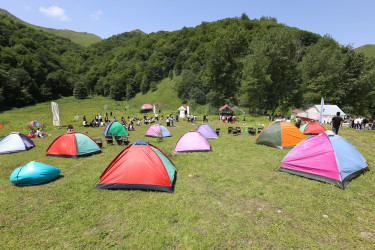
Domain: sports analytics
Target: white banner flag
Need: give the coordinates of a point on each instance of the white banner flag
(188, 110)
(55, 112)
(321, 111)
(154, 110)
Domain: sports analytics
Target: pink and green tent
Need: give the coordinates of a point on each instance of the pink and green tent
(327, 158)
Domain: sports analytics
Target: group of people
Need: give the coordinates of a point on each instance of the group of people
(361, 123)
(228, 118)
(38, 133)
(96, 122)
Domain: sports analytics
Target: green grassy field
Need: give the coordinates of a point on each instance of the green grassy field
(232, 197)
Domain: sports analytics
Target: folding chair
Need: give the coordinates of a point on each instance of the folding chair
(218, 131)
(230, 129)
(109, 139)
(251, 131)
(234, 131)
(118, 139)
(125, 140)
(238, 130)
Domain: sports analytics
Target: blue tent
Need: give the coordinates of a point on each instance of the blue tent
(15, 142)
(34, 173)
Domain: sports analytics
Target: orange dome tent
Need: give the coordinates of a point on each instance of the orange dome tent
(280, 135)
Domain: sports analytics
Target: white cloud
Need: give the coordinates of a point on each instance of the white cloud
(96, 16)
(56, 12)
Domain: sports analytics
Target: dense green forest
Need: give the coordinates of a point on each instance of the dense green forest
(260, 64)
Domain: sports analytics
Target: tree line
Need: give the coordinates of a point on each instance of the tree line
(257, 63)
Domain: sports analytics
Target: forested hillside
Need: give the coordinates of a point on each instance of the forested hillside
(259, 64)
(35, 66)
(255, 63)
(82, 38)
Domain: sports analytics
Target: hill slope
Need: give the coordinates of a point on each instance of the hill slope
(82, 38)
(368, 50)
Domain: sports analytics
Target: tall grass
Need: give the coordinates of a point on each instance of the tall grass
(232, 197)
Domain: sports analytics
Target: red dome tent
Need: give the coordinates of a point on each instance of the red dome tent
(73, 145)
(313, 128)
(139, 166)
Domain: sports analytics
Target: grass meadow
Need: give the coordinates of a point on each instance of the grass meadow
(232, 197)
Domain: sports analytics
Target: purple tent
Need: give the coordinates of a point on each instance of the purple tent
(207, 131)
(192, 141)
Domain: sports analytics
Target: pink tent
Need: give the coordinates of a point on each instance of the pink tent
(192, 141)
(326, 157)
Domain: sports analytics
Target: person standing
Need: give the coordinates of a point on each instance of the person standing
(336, 123)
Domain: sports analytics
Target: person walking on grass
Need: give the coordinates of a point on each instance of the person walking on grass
(336, 123)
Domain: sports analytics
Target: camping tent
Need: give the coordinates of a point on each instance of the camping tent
(139, 166)
(34, 173)
(207, 131)
(15, 142)
(192, 141)
(183, 110)
(158, 130)
(326, 157)
(115, 128)
(226, 110)
(302, 128)
(146, 107)
(280, 135)
(312, 128)
(35, 123)
(73, 145)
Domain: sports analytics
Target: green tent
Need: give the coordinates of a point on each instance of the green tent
(115, 128)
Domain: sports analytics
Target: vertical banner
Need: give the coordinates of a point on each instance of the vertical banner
(321, 111)
(154, 110)
(187, 110)
(55, 112)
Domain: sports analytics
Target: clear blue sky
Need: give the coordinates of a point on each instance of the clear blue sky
(347, 21)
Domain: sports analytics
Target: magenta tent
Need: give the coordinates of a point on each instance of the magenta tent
(327, 158)
(192, 141)
(207, 131)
